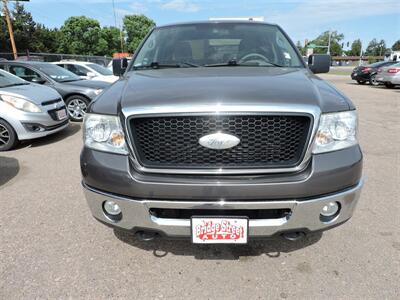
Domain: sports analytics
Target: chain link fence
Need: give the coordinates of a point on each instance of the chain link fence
(51, 57)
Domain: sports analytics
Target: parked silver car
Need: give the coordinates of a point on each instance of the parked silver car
(389, 76)
(28, 111)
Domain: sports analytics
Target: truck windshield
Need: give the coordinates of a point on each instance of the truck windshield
(217, 44)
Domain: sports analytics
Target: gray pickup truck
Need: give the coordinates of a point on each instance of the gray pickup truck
(219, 132)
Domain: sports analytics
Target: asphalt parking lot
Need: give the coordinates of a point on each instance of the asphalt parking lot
(51, 247)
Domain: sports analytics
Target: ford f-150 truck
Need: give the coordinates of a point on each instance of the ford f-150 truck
(219, 132)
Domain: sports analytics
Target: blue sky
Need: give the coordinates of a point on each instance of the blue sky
(365, 19)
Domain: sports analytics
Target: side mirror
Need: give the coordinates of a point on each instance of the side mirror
(38, 80)
(90, 74)
(119, 66)
(319, 63)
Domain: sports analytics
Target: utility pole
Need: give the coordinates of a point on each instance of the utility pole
(10, 29)
(329, 43)
(120, 30)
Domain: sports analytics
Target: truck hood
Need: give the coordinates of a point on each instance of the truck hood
(35, 93)
(222, 86)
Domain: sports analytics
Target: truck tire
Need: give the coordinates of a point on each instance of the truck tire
(76, 107)
(8, 137)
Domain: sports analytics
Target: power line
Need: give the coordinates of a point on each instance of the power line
(120, 30)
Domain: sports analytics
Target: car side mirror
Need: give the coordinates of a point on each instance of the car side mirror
(38, 80)
(319, 63)
(90, 74)
(119, 66)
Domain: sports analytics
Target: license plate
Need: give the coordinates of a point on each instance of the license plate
(61, 114)
(219, 230)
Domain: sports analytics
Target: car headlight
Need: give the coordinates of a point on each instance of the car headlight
(104, 133)
(20, 103)
(336, 131)
(98, 92)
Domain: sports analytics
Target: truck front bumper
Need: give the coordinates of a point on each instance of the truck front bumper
(304, 213)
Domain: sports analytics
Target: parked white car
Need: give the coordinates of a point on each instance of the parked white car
(88, 70)
(389, 76)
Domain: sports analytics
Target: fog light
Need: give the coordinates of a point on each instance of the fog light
(330, 209)
(112, 208)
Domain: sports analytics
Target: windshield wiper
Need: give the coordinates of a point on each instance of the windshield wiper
(157, 65)
(71, 80)
(230, 63)
(189, 64)
(234, 63)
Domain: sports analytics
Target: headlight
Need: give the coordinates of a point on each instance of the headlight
(20, 103)
(336, 131)
(102, 132)
(98, 91)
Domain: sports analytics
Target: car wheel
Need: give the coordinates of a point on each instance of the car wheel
(389, 85)
(8, 137)
(372, 81)
(360, 82)
(76, 107)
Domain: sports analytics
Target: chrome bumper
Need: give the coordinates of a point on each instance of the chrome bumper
(305, 214)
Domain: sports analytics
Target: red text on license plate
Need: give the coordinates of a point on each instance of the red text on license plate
(219, 230)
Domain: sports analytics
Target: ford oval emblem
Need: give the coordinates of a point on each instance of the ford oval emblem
(219, 141)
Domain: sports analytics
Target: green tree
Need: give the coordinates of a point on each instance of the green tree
(136, 28)
(355, 48)
(323, 40)
(45, 39)
(24, 27)
(82, 35)
(4, 40)
(376, 48)
(28, 34)
(396, 46)
(111, 35)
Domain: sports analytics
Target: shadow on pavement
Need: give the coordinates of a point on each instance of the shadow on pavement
(271, 247)
(72, 129)
(9, 168)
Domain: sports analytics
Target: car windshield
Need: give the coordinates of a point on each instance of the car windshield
(215, 44)
(7, 79)
(100, 69)
(57, 73)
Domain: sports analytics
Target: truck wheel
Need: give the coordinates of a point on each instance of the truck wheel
(372, 81)
(76, 107)
(360, 82)
(389, 85)
(8, 137)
